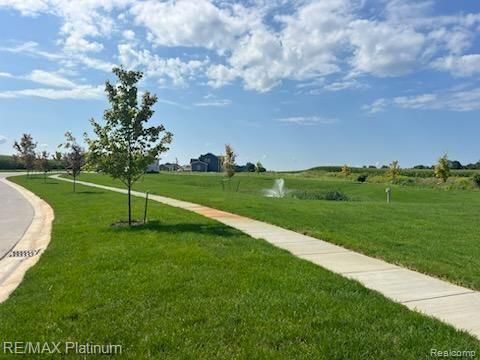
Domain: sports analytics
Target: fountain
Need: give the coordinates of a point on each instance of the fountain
(278, 190)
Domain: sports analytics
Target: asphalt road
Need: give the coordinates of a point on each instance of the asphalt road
(16, 214)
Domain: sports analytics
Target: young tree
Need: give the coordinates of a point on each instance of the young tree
(229, 161)
(346, 170)
(26, 151)
(259, 167)
(394, 170)
(124, 146)
(442, 169)
(42, 164)
(74, 157)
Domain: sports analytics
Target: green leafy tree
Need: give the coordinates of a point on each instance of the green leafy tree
(124, 145)
(73, 158)
(229, 161)
(442, 169)
(394, 170)
(249, 167)
(26, 152)
(42, 164)
(259, 167)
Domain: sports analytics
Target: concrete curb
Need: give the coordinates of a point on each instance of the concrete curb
(29, 248)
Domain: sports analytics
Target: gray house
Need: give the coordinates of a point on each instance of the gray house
(207, 162)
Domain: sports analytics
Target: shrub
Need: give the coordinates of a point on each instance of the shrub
(334, 195)
(459, 184)
(476, 180)
(362, 178)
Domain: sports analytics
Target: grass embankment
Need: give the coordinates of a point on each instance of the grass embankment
(187, 287)
(434, 231)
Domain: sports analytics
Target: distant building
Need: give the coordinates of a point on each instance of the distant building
(207, 163)
(154, 167)
(185, 168)
(169, 167)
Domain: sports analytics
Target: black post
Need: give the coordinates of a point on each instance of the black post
(129, 206)
(146, 207)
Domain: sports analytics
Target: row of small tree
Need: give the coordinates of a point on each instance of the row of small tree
(123, 145)
(441, 169)
(72, 157)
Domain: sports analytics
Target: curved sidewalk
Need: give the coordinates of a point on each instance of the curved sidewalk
(452, 304)
(25, 232)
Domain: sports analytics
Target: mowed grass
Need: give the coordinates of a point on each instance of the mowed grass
(434, 231)
(185, 287)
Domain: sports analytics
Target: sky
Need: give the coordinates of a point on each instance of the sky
(291, 83)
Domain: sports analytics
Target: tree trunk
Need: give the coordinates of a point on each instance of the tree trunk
(74, 183)
(129, 205)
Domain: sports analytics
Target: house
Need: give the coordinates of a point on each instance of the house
(198, 165)
(185, 168)
(154, 167)
(169, 167)
(207, 162)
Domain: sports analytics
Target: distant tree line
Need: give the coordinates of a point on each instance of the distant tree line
(453, 165)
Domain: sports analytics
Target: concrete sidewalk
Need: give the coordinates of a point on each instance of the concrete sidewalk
(452, 304)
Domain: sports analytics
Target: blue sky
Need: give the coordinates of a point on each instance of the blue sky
(291, 83)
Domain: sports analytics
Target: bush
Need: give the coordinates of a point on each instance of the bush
(317, 195)
(476, 180)
(362, 178)
(459, 184)
(336, 196)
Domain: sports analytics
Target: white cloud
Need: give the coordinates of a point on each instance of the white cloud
(173, 103)
(190, 23)
(49, 78)
(466, 65)
(377, 106)
(128, 35)
(259, 43)
(452, 100)
(6, 75)
(32, 48)
(219, 75)
(26, 7)
(81, 20)
(3, 139)
(81, 92)
(214, 103)
(173, 69)
(308, 120)
(383, 50)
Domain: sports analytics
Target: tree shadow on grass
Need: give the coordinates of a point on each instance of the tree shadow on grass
(87, 192)
(195, 228)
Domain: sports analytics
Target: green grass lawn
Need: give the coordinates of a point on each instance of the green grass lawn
(434, 231)
(185, 287)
